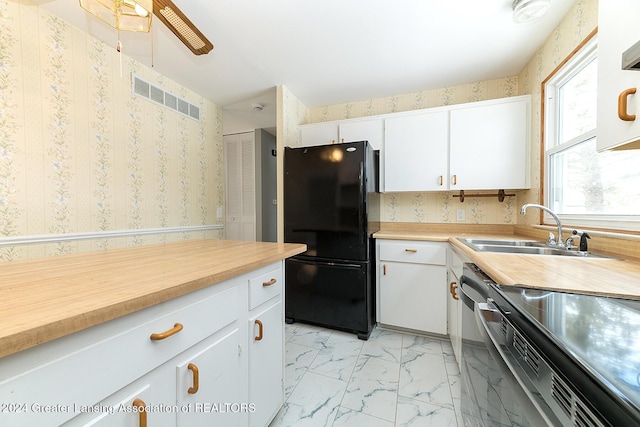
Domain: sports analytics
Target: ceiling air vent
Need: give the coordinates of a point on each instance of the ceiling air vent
(158, 95)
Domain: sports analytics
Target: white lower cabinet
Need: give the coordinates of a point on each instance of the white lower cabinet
(124, 408)
(190, 361)
(266, 370)
(208, 390)
(454, 304)
(412, 289)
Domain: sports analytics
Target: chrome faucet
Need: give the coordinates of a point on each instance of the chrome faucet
(552, 241)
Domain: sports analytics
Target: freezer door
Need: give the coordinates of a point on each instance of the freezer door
(325, 200)
(336, 295)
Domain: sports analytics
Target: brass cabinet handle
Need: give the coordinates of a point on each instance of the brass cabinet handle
(196, 378)
(384, 269)
(453, 290)
(455, 179)
(413, 251)
(269, 283)
(139, 403)
(166, 334)
(441, 180)
(622, 105)
(260, 326)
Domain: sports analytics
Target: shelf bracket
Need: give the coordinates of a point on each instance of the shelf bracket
(500, 195)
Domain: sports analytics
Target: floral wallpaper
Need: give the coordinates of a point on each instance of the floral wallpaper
(579, 22)
(430, 207)
(478, 91)
(80, 154)
(291, 113)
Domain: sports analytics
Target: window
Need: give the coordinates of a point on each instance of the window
(584, 187)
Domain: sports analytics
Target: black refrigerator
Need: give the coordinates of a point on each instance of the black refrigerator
(331, 204)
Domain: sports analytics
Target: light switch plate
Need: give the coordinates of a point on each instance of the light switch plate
(460, 214)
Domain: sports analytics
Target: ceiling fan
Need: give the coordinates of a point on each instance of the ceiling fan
(135, 15)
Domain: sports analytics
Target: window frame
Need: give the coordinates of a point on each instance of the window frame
(583, 54)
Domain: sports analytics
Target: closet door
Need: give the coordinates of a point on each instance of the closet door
(240, 192)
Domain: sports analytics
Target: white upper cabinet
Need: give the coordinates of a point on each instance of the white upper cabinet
(319, 134)
(416, 152)
(369, 129)
(363, 130)
(618, 30)
(489, 145)
(474, 146)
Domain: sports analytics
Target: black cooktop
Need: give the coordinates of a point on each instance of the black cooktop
(601, 333)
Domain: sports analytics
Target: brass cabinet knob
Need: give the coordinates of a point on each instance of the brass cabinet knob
(260, 327)
(142, 412)
(166, 334)
(622, 105)
(269, 283)
(196, 378)
(453, 290)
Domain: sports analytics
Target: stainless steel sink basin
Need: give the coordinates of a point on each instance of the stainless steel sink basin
(497, 242)
(531, 247)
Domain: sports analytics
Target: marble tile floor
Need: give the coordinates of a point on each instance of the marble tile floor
(394, 379)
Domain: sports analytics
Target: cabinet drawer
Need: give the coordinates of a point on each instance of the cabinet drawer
(106, 357)
(414, 252)
(265, 286)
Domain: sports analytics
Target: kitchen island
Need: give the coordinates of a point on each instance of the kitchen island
(177, 324)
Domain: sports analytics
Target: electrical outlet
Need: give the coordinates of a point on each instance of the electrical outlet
(460, 215)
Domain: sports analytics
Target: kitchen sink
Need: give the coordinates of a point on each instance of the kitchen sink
(496, 242)
(531, 247)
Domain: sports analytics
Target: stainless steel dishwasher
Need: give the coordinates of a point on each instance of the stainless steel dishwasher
(548, 357)
(491, 393)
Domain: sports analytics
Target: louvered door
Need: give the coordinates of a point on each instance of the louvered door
(240, 194)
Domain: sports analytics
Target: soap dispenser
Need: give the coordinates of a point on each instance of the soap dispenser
(583, 240)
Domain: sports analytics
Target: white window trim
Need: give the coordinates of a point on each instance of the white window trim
(572, 67)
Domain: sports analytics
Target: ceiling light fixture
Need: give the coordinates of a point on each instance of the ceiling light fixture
(529, 10)
(126, 15)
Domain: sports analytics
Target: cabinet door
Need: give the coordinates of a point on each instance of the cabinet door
(266, 364)
(318, 134)
(489, 145)
(122, 409)
(618, 30)
(453, 308)
(366, 130)
(416, 152)
(413, 296)
(207, 383)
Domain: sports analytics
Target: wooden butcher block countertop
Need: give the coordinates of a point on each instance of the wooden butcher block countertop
(44, 299)
(599, 276)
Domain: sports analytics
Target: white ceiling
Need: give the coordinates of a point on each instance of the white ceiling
(332, 51)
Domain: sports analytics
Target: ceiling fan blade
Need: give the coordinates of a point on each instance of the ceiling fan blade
(181, 26)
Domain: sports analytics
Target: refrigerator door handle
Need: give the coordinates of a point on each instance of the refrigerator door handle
(362, 203)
